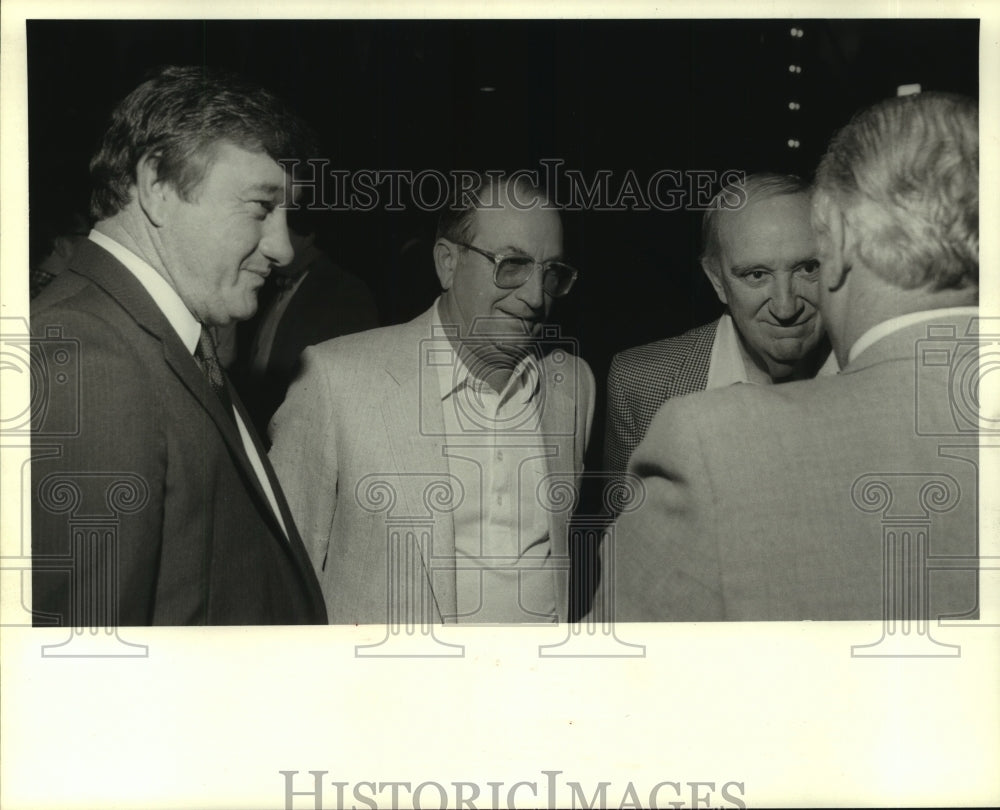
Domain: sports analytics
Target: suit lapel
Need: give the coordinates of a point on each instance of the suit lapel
(692, 373)
(415, 440)
(101, 268)
(294, 546)
(559, 430)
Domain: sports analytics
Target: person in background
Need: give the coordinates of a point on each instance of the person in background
(312, 300)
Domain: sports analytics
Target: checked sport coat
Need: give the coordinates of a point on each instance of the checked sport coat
(642, 378)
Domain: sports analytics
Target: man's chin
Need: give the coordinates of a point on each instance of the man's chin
(786, 362)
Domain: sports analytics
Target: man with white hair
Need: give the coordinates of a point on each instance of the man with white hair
(850, 496)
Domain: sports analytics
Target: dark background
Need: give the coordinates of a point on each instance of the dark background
(640, 95)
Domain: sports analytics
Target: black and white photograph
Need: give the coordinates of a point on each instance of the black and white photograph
(434, 407)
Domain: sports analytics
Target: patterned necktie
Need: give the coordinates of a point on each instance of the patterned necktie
(208, 361)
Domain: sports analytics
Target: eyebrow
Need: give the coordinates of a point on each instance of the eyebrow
(263, 188)
(559, 257)
(742, 268)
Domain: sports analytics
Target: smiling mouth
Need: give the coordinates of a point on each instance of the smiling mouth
(793, 327)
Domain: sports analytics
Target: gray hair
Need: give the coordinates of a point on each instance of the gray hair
(455, 222)
(750, 189)
(905, 175)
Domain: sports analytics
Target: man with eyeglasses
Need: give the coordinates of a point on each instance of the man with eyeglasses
(428, 463)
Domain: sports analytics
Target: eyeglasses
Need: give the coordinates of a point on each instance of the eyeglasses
(511, 270)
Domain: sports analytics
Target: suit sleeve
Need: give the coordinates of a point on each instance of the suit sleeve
(98, 474)
(662, 557)
(304, 454)
(589, 397)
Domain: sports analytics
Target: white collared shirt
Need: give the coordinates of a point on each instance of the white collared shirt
(495, 448)
(728, 363)
(188, 329)
(886, 328)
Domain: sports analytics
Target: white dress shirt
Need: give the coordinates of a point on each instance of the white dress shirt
(728, 362)
(188, 329)
(495, 447)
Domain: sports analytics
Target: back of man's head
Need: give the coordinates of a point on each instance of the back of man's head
(176, 117)
(904, 176)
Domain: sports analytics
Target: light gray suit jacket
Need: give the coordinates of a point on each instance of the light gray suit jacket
(784, 502)
(359, 446)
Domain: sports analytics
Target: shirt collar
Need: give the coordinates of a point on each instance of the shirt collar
(886, 328)
(523, 383)
(726, 365)
(165, 297)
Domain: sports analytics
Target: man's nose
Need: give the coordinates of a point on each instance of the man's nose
(786, 305)
(275, 242)
(532, 292)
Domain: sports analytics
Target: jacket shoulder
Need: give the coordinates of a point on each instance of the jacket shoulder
(661, 362)
(667, 352)
(368, 344)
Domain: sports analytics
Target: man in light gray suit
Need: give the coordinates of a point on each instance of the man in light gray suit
(850, 496)
(427, 462)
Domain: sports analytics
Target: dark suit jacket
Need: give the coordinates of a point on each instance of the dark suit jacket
(145, 509)
(642, 378)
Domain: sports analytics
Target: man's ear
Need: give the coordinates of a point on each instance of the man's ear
(152, 193)
(828, 221)
(445, 261)
(711, 268)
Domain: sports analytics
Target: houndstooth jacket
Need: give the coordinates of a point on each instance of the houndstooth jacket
(642, 378)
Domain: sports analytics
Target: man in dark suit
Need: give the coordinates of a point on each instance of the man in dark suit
(157, 504)
(850, 496)
(760, 256)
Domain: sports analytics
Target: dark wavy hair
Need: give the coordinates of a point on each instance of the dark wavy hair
(177, 117)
